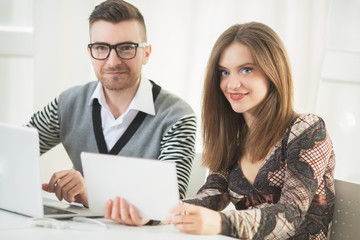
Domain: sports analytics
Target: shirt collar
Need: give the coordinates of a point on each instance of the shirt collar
(142, 101)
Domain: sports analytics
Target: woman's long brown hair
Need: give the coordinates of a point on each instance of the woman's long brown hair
(225, 134)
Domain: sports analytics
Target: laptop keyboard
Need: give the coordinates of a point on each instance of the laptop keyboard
(48, 210)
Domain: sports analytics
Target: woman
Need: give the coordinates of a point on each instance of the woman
(274, 165)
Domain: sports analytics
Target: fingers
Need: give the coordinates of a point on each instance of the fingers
(119, 211)
(124, 212)
(184, 208)
(183, 219)
(55, 178)
(68, 185)
(182, 214)
(195, 219)
(133, 214)
(139, 221)
(115, 211)
(108, 209)
(191, 228)
(62, 187)
(185, 223)
(45, 187)
(112, 210)
(82, 198)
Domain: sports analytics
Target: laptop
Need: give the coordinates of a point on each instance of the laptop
(20, 184)
(150, 185)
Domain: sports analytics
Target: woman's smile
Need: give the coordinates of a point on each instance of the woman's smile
(238, 96)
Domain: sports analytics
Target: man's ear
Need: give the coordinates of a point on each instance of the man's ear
(88, 50)
(147, 53)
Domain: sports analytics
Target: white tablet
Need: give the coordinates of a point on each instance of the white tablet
(150, 185)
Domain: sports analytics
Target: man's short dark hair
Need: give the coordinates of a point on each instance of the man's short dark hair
(116, 11)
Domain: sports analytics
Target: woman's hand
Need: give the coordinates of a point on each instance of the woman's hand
(195, 219)
(117, 210)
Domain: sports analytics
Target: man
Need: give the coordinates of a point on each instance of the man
(123, 113)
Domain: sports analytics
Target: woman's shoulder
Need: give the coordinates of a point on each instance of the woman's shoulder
(307, 119)
(306, 123)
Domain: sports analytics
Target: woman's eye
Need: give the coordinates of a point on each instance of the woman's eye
(224, 73)
(246, 70)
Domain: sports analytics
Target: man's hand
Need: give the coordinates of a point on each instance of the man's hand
(117, 210)
(195, 219)
(68, 185)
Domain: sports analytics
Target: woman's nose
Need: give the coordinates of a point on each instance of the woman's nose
(234, 82)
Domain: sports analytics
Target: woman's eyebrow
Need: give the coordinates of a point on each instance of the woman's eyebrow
(240, 66)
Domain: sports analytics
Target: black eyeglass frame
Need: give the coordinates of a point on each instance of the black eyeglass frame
(136, 45)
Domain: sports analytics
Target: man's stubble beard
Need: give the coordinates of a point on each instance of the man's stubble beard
(118, 83)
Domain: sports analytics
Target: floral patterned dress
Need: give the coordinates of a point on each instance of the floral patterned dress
(292, 196)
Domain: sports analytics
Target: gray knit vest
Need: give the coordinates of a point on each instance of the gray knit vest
(76, 124)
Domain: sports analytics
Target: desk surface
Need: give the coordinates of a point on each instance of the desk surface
(14, 226)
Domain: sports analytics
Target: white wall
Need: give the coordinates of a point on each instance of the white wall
(60, 60)
(339, 95)
(16, 62)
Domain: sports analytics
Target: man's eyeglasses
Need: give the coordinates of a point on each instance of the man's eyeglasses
(101, 51)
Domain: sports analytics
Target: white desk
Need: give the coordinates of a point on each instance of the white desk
(14, 227)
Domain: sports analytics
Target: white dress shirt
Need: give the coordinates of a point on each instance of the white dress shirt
(113, 128)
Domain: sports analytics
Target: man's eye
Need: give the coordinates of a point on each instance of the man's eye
(126, 48)
(101, 47)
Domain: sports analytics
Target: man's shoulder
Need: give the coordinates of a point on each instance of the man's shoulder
(77, 96)
(169, 102)
(79, 91)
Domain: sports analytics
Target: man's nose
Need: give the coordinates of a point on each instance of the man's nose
(113, 58)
